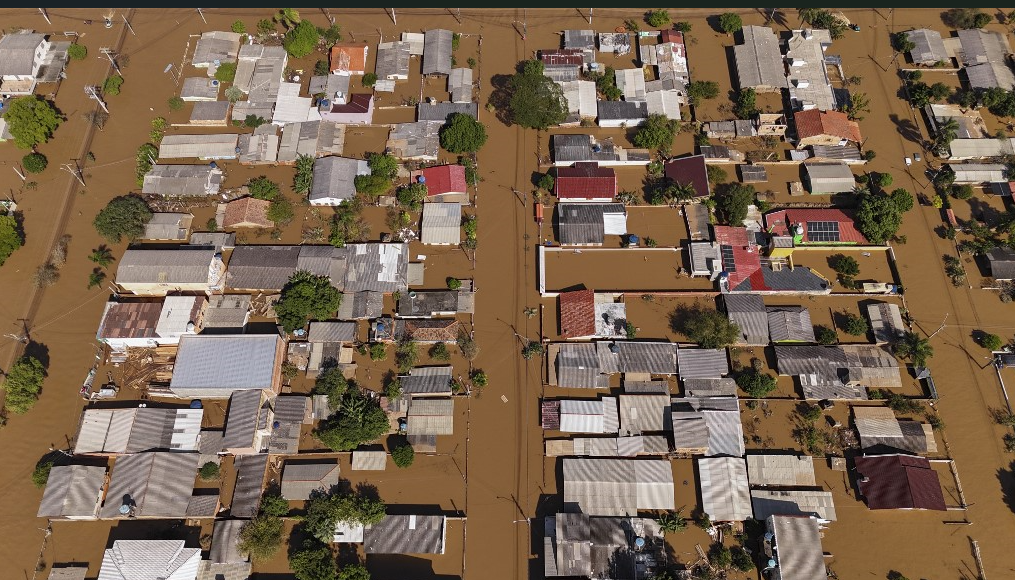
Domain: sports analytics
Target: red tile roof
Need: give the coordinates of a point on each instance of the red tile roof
(247, 211)
(348, 56)
(130, 320)
(672, 36)
(813, 123)
(432, 330)
(577, 313)
(899, 482)
(778, 222)
(746, 257)
(441, 179)
(690, 170)
(586, 181)
(566, 56)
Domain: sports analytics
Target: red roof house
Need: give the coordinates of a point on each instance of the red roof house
(671, 36)
(442, 179)
(690, 170)
(577, 314)
(586, 182)
(901, 482)
(562, 56)
(814, 127)
(358, 109)
(741, 259)
(349, 58)
(820, 226)
(247, 212)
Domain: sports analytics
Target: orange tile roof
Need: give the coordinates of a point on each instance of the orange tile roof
(248, 211)
(814, 122)
(437, 330)
(348, 56)
(577, 313)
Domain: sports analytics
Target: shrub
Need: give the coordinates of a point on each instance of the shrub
(261, 537)
(826, 335)
(239, 27)
(812, 413)
(331, 34)
(226, 72)
(462, 134)
(453, 283)
(700, 90)
(440, 352)
(281, 211)
(900, 404)
(265, 26)
(175, 103)
(656, 133)
(742, 560)
(378, 351)
(755, 384)
(369, 79)
(479, 378)
(40, 475)
(77, 51)
(45, 275)
(263, 188)
(208, 471)
(963, 192)
(471, 62)
(705, 326)
(393, 388)
(991, 342)
(965, 18)
(657, 18)
(34, 162)
(854, 325)
(112, 85)
(304, 178)
(746, 104)
(403, 455)
(682, 26)
(123, 217)
(844, 265)
(412, 196)
(630, 329)
(884, 179)
(720, 556)
(467, 345)
(23, 384)
(532, 348)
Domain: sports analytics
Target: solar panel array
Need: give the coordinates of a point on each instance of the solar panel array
(823, 231)
(728, 263)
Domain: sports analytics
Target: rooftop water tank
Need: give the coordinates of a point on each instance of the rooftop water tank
(421, 179)
(214, 82)
(639, 542)
(196, 404)
(214, 165)
(771, 563)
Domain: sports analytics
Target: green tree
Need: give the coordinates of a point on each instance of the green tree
(732, 201)
(263, 188)
(369, 79)
(858, 105)
(902, 43)
(331, 382)
(657, 18)
(112, 85)
(532, 348)
(314, 562)
(462, 134)
(11, 237)
(239, 27)
(333, 34)
(964, 191)
(990, 342)
(656, 133)
(705, 326)
(301, 40)
(383, 165)
(406, 354)
(698, 91)
(720, 556)
(479, 378)
(261, 537)
(324, 511)
(280, 211)
(273, 504)
(95, 278)
(226, 72)
(354, 572)
(878, 217)
(742, 560)
(819, 18)
(357, 421)
(40, 475)
(265, 27)
(372, 185)
(287, 17)
(884, 180)
(31, 120)
(123, 217)
(304, 177)
(453, 283)
(730, 22)
(34, 162)
(77, 51)
(440, 352)
(915, 348)
(546, 182)
(208, 471)
(844, 265)
(756, 384)
(965, 18)
(306, 296)
(746, 106)
(683, 26)
(854, 325)
(23, 384)
(403, 455)
(412, 196)
(536, 101)
(175, 103)
(102, 256)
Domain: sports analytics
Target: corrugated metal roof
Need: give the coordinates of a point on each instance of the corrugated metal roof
(640, 357)
(403, 534)
(577, 366)
(725, 432)
(430, 417)
(182, 180)
(360, 305)
(702, 363)
(787, 470)
(369, 460)
(184, 265)
(800, 554)
(644, 414)
(217, 146)
(331, 331)
(225, 542)
(758, 60)
(392, 60)
(227, 311)
(767, 502)
(143, 559)
(439, 112)
(242, 421)
(156, 484)
(334, 178)
(72, 491)
(428, 380)
(216, 47)
(928, 46)
(618, 486)
(437, 52)
(74, 573)
(300, 480)
(790, 324)
(725, 494)
(220, 364)
(250, 471)
(441, 223)
(710, 387)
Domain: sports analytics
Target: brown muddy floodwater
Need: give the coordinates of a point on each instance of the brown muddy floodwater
(498, 443)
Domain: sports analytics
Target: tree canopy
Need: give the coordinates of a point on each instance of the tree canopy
(756, 384)
(23, 384)
(304, 177)
(536, 101)
(263, 188)
(657, 18)
(306, 296)
(700, 90)
(314, 562)
(10, 237)
(879, 215)
(412, 196)
(301, 40)
(123, 217)
(325, 510)
(656, 133)
(31, 120)
(357, 421)
(730, 22)
(732, 201)
(261, 537)
(705, 326)
(746, 106)
(331, 382)
(462, 134)
(966, 18)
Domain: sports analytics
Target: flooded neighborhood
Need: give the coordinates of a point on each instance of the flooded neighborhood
(604, 293)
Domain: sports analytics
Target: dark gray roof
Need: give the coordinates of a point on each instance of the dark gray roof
(183, 180)
(428, 303)
(580, 39)
(622, 110)
(225, 542)
(414, 140)
(72, 491)
(210, 111)
(577, 365)
(807, 360)
(217, 241)
(359, 305)
(157, 484)
(437, 52)
(405, 535)
(1002, 263)
(982, 46)
(244, 419)
(331, 331)
(748, 312)
(441, 111)
(711, 387)
(378, 267)
(334, 177)
(799, 279)
(637, 357)
(702, 363)
(392, 60)
(250, 471)
(262, 267)
(227, 311)
(583, 223)
(291, 408)
(929, 48)
(428, 380)
(329, 84)
(790, 324)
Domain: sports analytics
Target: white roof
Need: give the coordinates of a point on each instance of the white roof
(725, 494)
(369, 460)
(150, 560)
(788, 470)
(175, 316)
(618, 487)
(290, 107)
(589, 416)
(664, 103)
(441, 223)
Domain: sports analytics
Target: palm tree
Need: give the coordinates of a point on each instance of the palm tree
(672, 522)
(101, 256)
(287, 17)
(96, 278)
(808, 14)
(947, 131)
(679, 192)
(915, 348)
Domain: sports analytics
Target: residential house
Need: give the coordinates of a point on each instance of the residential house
(259, 72)
(743, 271)
(838, 372)
(640, 414)
(961, 149)
(970, 122)
(748, 312)
(437, 44)
(781, 470)
(824, 178)
(150, 485)
(290, 414)
(392, 62)
(335, 179)
(217, 241)
(377, 267)
(702, 363)
(73, 492)
(619, 43)
(588, 416)
(441, 224)
(928, 47)
(200, 89)
(806, 76)
(138, 429)
(898, 481)
(261, 147)
(570, 149)
(886, 322)
(656, 358)
(585, 181)
(817, 127)
(1002, 263)
(665, 103)
(330, 86)
(225, 559)
(27, 58)
(562, 66)
(416, 41)
(790, 324)
(214, 48)
(586, 314)
(142, 559)
(813, 227)
(182, 180)
(349, 58)
(622, 113)
(631, 81)
(150, 324)
(795, 546)
(246, 212)
(460, 85)
(758, 61)
(710, 387)
(793, 502)
(251, 473)
(689, 170)
(979, 172)
(418, 141)
(576, 545)
(669, 56)
(210, 114)
(330, 343)
(426, 418)
(984, 55)
(581, 101)
(436, 303)
(770, 124)
(227, 313)
(266, 268)
(880, 429)
(290, 107)
(301, 480)
(440, 112)
(444, 183)
(580, 39)
(428, 331)
(248, 422)
(360, 305)
(617, 487)
(355, 109)
(707, 425)
(214, 366)
(725, 494)
(428, 381)
(369, 460)
(312, 138)
(153, 272)
(406, 534)
(168, 226)
(587, 224)
(215, 146)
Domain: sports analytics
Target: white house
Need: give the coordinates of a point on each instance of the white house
(21, 57)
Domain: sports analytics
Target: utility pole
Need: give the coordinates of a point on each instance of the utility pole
(129, 27)
(328, 15)
(46, 16)
(92, 94)
(74, 170)
(18, 171)
(393, 19)
(590, 16)
(202, 16)
(109, 55)
(942, 327)
(457, 14)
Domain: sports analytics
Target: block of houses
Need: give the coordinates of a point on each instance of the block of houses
(437, 44)
(148, 324)
(168, 226)
(586, 314)
(824, 178)
(159, 272)
(261, 147)
(597, 416)
(689, 170)
(707, 425)
(183, 180)
(335, 179)
(360, 305)
(588, 224)
(349, 58)
(301, 480)
(759, 63)
(441, 224)
(816, 127)
(585, 181)
(898, 481)
(131, 559)
(291, 107)
(214, 366)
(743, 270)
(631, 81)
(618, 487)
(984, 57)
(644, 413)
(444, 183)
(28, 58)
(313, 138)
(259, 73)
